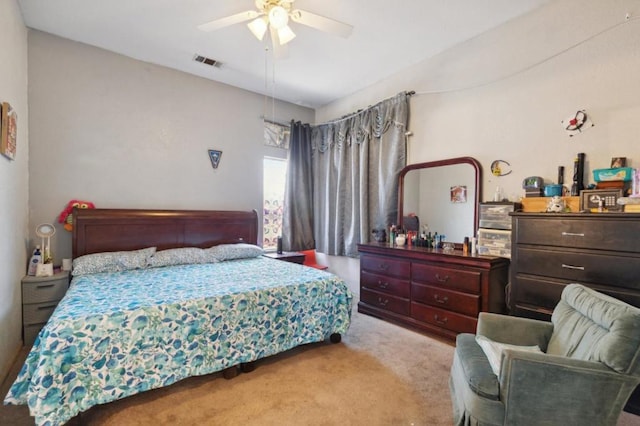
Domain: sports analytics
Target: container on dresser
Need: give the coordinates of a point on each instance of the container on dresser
(494, 235)
(551, 250)
(40, 296)
(429, 289)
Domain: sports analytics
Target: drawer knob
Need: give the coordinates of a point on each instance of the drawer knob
(573, 234)
(383, 266)
(442, 300)
(441, 321)
(579, 268)
(45, 285)
(382, 302)
(442, 279)
(383, 284)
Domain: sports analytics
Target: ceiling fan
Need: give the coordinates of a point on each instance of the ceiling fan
(274, 15)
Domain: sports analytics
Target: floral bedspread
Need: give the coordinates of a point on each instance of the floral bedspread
(117, 334)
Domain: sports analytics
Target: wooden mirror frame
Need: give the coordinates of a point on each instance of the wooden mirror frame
(447, 162)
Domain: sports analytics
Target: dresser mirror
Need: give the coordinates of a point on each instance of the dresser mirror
(444, 195)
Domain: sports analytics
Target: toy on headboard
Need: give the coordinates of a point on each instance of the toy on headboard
(67, 218)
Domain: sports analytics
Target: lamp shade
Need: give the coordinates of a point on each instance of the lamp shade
(278, 17)
(285, 35)
(258, 27)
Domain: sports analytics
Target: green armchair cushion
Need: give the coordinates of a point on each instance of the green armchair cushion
(592, 326)
(476, 368)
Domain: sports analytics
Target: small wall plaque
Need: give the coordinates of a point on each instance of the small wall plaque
(214, 156)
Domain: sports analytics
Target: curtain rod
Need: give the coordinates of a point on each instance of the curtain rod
(279, 123)
(344, 117)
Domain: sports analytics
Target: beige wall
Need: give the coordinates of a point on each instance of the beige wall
(127, 134)
(14, 181)
(518, 118)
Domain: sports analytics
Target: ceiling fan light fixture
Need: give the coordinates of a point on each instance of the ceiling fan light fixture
(258, 27)
(285, 35)
(278, 17)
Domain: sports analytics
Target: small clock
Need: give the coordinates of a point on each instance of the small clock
(532, 183)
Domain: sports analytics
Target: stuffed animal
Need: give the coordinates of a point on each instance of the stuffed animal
(67, 218)
(556, 205)
(380, 235)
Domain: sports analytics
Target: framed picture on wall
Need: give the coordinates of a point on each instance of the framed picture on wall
(214, 156)
(8, 131)
(617, 162)
(459, 194)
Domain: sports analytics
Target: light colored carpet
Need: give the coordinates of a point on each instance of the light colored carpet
(380, 374)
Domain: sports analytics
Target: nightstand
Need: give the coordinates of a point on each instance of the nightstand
(40, 296)
(287, 256)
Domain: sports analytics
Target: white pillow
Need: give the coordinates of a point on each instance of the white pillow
(493, 351)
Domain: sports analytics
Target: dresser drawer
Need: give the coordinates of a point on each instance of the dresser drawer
(385, 266)
(468, 281)
(583, 267)
(464, 303)
(442, 318)
(44, 291)
(385, 301)
(34, 313)
(536, 292)
(580, 233)
(393, 286)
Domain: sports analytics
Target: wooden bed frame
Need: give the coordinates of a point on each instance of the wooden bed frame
(101, 230)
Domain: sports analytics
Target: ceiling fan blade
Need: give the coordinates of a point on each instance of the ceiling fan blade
(321, 23)
(229, 20)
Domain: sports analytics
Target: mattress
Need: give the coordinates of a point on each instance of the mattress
(117, 334)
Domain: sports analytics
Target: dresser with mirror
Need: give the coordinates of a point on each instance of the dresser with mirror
(432, 289)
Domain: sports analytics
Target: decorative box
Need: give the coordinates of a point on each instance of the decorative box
(606, 175)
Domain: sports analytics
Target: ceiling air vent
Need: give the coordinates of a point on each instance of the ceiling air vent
(207, 61)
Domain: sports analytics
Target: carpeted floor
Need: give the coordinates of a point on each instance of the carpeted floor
(380, 374)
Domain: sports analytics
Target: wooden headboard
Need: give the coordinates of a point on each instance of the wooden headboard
(100, 230)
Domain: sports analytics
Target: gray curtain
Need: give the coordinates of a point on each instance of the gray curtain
(297, 221)
(355, 163)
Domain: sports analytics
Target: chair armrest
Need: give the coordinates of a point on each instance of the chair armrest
(549, 389)
(514, 330)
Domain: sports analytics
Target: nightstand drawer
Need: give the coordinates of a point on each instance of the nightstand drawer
(44, 291)
(34, 313)
(31, 332)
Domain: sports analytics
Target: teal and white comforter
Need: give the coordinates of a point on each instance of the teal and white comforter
(117, 334)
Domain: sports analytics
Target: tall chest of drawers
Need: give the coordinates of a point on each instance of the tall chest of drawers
(549, 251)
(430, 290)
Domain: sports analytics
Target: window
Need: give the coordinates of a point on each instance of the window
(275, 173)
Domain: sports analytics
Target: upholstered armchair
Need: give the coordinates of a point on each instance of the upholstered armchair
(578, 369)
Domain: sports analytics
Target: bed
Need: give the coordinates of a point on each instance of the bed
(204, 301)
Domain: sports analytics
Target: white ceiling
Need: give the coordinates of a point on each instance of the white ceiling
(388, 36)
